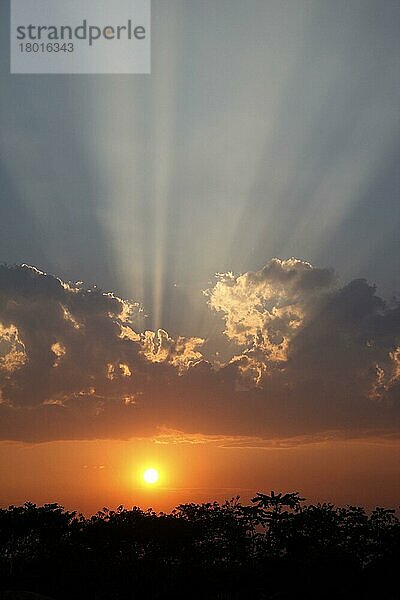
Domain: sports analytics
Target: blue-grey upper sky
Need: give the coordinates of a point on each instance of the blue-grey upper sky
(267, 128)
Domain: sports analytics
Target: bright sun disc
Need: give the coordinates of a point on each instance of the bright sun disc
(150, 475)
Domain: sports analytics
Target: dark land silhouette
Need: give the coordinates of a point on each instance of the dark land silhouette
(276, 548)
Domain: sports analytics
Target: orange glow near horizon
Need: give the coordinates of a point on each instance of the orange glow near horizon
(87, 475)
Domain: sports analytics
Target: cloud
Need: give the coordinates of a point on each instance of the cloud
(305, 358)
(61, 339)
(182, 353)
(264, 309)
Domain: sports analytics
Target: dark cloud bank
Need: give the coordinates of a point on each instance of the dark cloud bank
(310, 358)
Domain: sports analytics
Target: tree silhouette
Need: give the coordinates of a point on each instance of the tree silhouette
(275, 548)
(273, 515)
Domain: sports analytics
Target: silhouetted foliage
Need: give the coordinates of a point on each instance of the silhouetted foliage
(275, 548)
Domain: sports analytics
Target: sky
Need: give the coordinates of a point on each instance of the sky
(200, 266)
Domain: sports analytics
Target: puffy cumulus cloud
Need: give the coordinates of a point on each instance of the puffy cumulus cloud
(182, 352)
(66, 345)
(311, 361)
(263, 310)
(12, 350)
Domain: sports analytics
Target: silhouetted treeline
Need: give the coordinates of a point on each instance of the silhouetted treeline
(276, 548)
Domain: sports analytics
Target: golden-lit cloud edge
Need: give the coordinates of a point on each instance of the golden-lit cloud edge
(170, 437)
(305, 359)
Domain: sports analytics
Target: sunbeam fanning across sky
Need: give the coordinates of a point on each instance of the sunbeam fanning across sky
(237, 148)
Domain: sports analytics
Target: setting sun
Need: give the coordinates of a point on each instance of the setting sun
(150, 476)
